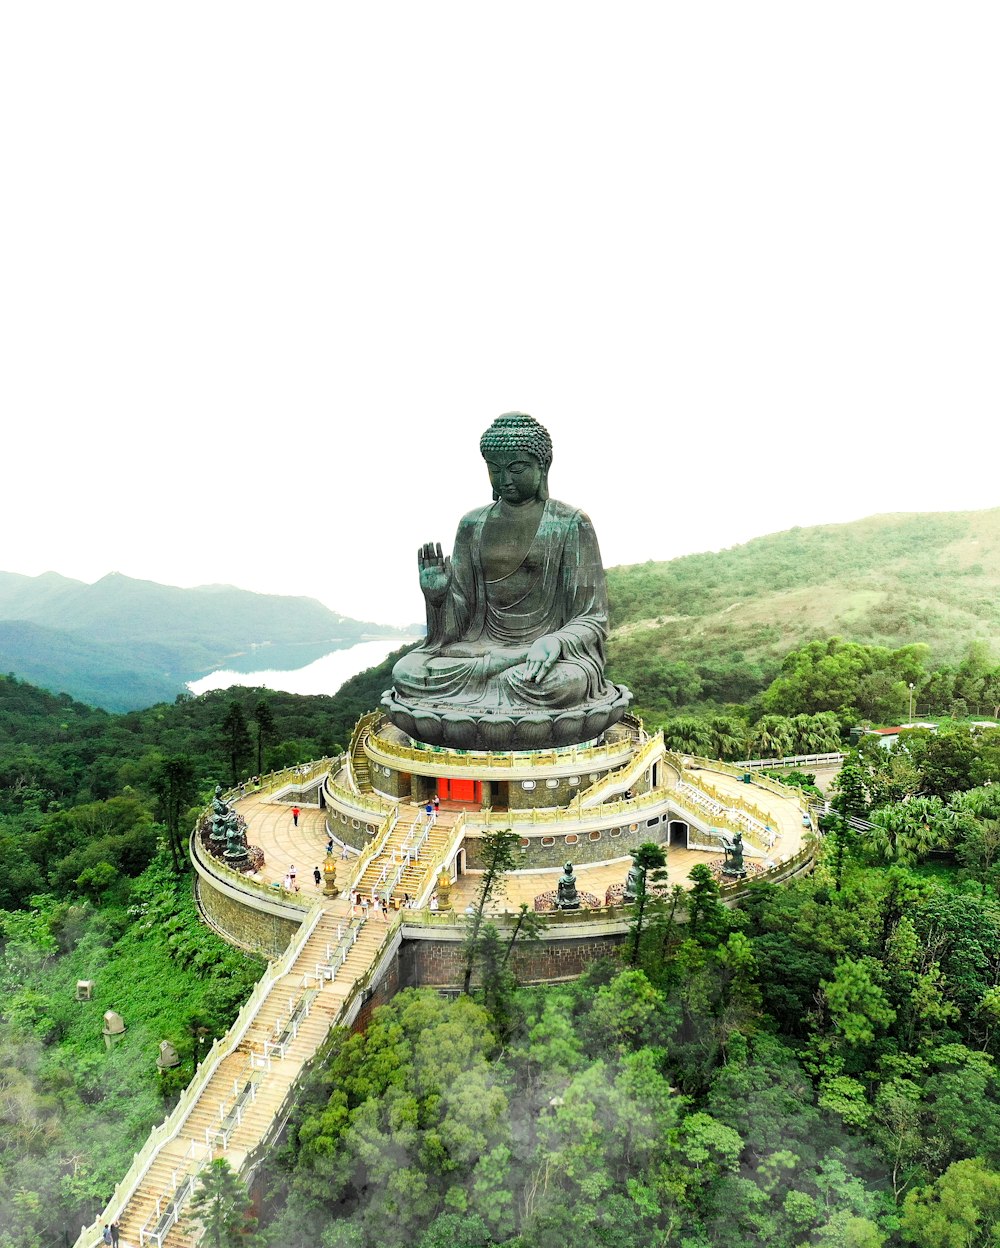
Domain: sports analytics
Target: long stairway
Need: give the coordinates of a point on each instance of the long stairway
(411, 849)
(262, 1058)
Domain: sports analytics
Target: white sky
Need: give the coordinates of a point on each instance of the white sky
(268, 271)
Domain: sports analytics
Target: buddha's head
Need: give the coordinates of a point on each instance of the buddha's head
(518, 452)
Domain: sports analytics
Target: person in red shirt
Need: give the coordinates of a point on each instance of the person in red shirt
(295, 815)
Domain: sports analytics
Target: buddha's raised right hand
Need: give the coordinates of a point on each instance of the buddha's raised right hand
(435, 572)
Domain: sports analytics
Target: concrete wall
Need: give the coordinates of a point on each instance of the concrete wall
(552, 791)
(382, 991)
(396, 785)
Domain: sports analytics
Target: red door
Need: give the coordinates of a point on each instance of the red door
(461, 791)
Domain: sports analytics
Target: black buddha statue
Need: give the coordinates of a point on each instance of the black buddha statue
(516, 618)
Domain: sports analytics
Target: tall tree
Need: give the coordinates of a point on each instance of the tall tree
(647, 857)
(729, 737)
(174, 785)
(772, 736)
(839, 839)
(498, 858)
(687, 735)
(222, 1206)
(850, 796)
(236, 739)
(708, 919)
(264, 719)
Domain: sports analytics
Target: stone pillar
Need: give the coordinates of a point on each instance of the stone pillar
(423, 788)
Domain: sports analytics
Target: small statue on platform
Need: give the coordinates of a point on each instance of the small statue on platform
(734, 856)
(236, 838)
(220, 813)
(516, 618)
(567, 898)
(633, 882)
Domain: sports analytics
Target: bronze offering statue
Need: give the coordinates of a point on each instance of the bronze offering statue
(516, 618)
(733, 851)
(220, 813)
(567, 898)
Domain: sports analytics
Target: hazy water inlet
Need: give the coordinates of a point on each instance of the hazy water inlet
(325, 675)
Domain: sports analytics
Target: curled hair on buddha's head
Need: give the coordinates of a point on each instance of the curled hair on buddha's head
(520, 433)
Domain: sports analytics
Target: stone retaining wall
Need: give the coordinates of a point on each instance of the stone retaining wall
(538, 849)
(438, 963)
(245, 925)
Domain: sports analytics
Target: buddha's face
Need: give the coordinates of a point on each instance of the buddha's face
(516, 476)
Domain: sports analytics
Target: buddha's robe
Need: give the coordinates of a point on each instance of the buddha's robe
(473, 657)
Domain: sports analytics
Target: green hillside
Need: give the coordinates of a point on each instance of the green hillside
(123, 644)
(715, 627)
(112, 676)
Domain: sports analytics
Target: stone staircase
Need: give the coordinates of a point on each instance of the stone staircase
(729, 817)
(241, 1100)
(615, 783)
(408, 854)
(359, 759)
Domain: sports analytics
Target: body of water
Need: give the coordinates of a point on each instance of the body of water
(325, 675)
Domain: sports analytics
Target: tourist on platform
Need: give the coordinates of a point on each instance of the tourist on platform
(317, 876)
(293, 876)
(295, 816)
(436, 803)
(434, 901)
(385, 910)
(429, 812)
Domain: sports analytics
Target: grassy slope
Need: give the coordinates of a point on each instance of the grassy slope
(888, 580)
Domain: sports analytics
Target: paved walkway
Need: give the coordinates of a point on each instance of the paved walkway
(270, 825)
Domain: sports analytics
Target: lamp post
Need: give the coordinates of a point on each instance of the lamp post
(911, 700)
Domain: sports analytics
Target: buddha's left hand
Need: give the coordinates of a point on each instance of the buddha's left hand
(542, 657)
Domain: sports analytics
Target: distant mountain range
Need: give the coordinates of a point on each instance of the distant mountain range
(123, 644)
